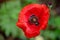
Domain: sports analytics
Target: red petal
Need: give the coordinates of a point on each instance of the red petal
(41, 11)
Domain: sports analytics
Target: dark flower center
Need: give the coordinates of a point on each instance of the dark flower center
(33, 19)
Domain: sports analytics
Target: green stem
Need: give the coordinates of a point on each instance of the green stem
(38, 38)
(28, 38)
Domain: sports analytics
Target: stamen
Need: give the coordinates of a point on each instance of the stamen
(37, 23)
(33, 19)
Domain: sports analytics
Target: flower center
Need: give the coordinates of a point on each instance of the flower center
(33, 19)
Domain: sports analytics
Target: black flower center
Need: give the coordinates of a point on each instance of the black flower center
(33, 19)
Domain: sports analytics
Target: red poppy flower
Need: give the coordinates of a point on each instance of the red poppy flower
(33, 18)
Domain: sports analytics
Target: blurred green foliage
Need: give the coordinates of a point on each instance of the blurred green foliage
(9, 14)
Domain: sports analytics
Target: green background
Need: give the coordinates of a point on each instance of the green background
(9, 11)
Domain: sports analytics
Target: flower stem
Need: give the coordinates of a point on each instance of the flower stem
(28, 38)
(39, 38)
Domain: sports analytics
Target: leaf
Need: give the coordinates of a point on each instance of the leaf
(57, 21)
(9, 14)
